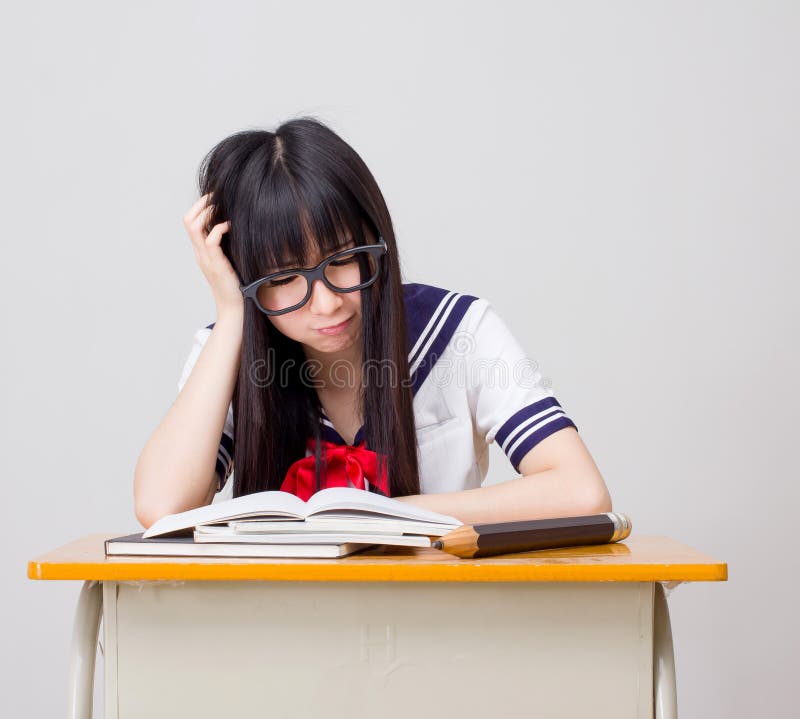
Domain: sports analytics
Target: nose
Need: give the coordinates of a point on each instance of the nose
(323, 301)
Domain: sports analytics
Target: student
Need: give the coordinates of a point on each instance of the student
(332, 370)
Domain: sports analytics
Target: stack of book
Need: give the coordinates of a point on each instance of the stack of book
(335, 522)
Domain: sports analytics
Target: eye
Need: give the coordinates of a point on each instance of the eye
(282, 281)
(344, 261)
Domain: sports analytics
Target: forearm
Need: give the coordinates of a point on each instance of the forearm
(551, 493)
(175, 470)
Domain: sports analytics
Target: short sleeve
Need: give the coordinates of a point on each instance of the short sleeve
(224, 465)
(508, 397)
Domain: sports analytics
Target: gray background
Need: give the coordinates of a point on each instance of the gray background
(620, 179)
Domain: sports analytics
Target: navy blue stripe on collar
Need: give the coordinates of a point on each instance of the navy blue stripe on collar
(432, 315)
(330, 434)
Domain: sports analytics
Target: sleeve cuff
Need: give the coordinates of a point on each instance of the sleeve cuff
(529, 426)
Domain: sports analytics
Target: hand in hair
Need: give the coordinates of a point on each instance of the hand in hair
(213, 263)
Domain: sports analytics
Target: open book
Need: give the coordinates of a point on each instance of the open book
(352, 509)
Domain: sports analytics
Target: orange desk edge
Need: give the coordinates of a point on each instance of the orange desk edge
(636, 559)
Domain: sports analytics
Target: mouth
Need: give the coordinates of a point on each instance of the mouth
(333, 329)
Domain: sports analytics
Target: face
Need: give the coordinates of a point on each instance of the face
(324, 309)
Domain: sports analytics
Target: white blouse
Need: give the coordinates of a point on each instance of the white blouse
(472, 383)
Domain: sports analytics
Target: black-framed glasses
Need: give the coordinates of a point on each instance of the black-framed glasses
(345, 271)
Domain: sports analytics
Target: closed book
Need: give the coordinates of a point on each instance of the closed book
(228, 536)
(135, 545)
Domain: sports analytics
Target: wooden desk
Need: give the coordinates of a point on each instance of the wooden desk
(392, 632)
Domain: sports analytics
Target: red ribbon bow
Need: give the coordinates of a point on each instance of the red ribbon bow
(348, 465)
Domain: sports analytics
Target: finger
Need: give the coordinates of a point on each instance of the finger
(197, 235)
(197, 228)
(195, 209)
(197, 239)
(212, 245)
(215, 236)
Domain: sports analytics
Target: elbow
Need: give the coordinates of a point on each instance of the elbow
(146, 516)
(145, 520)
(147, 511)
(152, 501)
(597, 501)
(604, 502)
(141, 506)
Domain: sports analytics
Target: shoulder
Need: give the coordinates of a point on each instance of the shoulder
(435, 317)
(438, 311)
(427, 299)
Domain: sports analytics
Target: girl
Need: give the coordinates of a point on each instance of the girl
(336, 373)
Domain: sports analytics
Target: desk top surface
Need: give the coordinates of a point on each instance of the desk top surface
(636, 559)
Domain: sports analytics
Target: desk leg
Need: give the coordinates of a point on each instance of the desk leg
(84, 650)
(665, 698)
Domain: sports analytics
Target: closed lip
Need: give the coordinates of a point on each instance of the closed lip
(332, 327)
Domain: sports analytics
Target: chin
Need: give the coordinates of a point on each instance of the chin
(336, 343)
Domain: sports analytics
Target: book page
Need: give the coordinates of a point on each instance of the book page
(349, 498)
(271, 503)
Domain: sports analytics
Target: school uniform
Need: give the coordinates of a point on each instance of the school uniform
(472, 383)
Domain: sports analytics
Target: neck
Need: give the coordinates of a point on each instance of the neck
(336, 371)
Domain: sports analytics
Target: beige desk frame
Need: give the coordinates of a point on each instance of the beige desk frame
(556, 633)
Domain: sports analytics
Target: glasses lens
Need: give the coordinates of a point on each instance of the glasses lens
(352, 270)
(282, 292)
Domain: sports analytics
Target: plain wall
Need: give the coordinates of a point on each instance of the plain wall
(620, 179)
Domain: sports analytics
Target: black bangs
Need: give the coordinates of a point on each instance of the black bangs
(281, 218)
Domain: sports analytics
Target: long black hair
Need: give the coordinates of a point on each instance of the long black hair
(285, 192)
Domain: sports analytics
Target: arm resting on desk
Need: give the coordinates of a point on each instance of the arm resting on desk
(559, 479)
